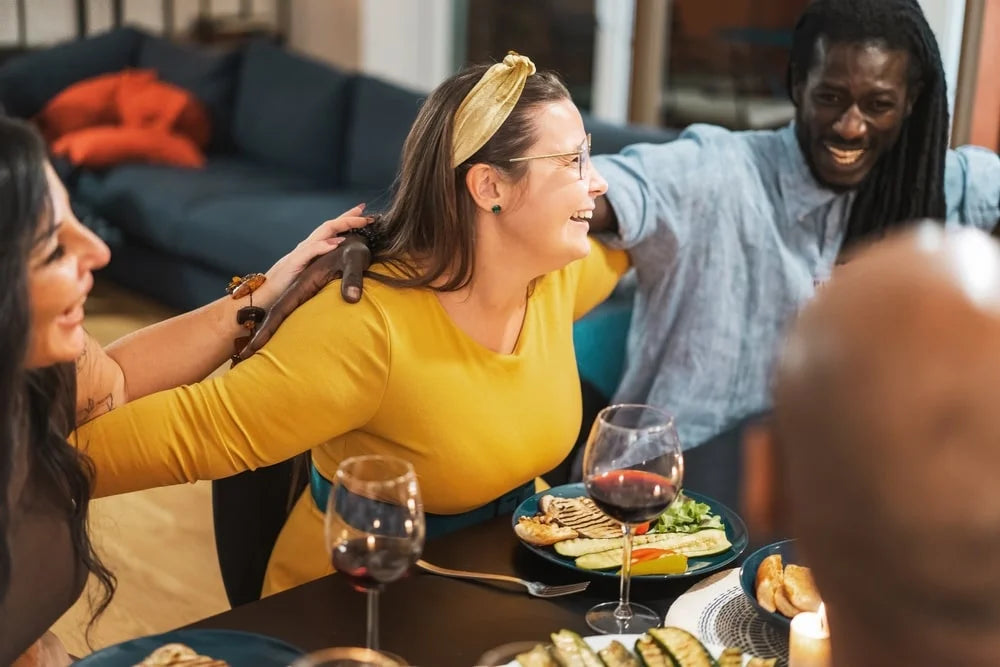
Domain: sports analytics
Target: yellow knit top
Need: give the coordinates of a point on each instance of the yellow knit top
(391, 374)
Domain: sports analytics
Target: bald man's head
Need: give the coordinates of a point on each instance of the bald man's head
(887, 417)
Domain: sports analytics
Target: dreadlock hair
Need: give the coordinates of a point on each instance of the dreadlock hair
(907, 183)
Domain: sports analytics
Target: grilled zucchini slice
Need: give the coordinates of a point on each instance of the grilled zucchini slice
(570, 650)
(731, 657)
(651, 654)
(536, 657)
(616, 655)
(683, 647)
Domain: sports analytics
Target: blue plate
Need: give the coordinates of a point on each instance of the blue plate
(748, 579)
(736, 532)
(239, 649)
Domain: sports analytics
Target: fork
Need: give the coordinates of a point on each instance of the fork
(535, 588)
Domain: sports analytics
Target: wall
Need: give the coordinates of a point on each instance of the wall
(947, 20)
(407, 42)
(985, 120)
(328, 31)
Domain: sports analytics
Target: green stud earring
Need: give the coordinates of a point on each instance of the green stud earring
(496, 209)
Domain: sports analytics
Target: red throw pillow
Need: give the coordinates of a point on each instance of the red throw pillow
(86, 103)
(163, 106)
(101, 147)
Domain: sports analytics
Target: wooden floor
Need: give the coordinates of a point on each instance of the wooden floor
(159, 542)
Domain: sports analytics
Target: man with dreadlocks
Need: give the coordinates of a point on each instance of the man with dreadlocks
(731, 232)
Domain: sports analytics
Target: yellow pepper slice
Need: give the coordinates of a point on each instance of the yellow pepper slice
(665, 564)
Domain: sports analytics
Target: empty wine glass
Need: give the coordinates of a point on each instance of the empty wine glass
(632, 468)
(374, 526)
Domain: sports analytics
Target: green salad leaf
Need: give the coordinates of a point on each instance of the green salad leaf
(687, 516)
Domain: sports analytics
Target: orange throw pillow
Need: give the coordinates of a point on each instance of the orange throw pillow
(102, 147)
(163, 106)
(86, 103)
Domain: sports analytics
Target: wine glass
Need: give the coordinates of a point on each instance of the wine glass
(632, 468)
(374, 526)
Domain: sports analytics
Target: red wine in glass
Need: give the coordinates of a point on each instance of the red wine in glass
(633, 466)
(371, 562)
(631, 496)
(374, 526)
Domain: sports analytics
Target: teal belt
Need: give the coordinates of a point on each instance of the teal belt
(439, 524)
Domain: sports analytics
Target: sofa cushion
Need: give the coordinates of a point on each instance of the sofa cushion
(166, 107)
(86, 103)
(245, 233)
(31, 80)
(152, 203)
(109, 145)
(210, 76)
(142, 269)
(381, 116)
(290, 112)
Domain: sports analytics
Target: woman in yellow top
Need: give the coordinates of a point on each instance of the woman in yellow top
(459, 357)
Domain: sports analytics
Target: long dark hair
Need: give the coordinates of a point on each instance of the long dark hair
(37, 406)
(431, 215)
(908, 181)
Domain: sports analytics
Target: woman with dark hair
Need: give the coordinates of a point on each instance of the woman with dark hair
(46, 260)
(459, 358)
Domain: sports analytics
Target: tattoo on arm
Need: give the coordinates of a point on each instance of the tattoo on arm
(94, 408)
(82, 359)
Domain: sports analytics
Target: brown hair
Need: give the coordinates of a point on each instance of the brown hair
(430, 218)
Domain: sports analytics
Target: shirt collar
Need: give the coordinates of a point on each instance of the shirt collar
(801, 192)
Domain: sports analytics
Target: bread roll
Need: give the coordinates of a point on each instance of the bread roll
(800, 589)
(769, 581)
(783, 604)
(179, 655)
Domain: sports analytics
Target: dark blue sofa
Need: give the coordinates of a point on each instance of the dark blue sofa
(295, 142)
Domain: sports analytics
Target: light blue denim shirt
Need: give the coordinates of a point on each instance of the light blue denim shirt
(729, 234)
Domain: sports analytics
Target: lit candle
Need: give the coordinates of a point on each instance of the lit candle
(809, 640)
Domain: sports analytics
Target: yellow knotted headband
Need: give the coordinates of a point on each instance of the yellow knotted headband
(488, 105)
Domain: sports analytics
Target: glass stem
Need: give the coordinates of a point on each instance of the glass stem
(624, 612)
(372, 642)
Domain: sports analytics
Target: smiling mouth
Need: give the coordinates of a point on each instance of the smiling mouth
(582, 216)
(73, 316)
(845, 158)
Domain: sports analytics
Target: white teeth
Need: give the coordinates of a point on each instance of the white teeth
(845, 158)
(583, 215)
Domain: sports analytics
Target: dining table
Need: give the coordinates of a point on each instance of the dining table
(434, 621)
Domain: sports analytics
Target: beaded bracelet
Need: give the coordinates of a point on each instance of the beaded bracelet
(247, 317)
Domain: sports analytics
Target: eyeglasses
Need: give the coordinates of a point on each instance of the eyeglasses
(582, 153)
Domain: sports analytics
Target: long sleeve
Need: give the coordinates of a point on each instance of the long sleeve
(599, 272)
(322, 375)
(972, 187)
(660, 191)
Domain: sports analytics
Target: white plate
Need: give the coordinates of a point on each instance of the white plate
(600, 641)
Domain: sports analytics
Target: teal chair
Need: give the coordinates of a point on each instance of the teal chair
(599, 339)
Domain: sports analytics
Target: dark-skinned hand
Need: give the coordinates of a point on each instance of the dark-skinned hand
(350, 260)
